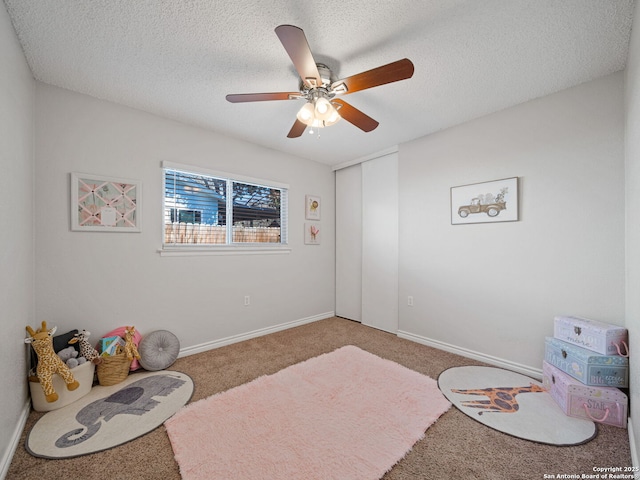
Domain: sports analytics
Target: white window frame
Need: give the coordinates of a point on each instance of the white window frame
(228, 248)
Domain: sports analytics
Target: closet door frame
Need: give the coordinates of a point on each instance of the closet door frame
(367, 243)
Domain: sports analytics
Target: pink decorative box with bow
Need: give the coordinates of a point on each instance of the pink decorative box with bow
(600, 404)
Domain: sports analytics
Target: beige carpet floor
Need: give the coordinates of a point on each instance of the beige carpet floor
(455, 447)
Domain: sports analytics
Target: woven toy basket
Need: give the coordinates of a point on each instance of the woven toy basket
(114, 368)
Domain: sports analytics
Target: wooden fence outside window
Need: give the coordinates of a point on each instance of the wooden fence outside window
(181, 233)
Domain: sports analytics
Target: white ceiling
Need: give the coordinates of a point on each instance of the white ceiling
(179, 58)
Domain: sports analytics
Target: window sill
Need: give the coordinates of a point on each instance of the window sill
(201, 250)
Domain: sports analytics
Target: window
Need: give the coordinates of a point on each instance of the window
(182, 215)
(215, 209)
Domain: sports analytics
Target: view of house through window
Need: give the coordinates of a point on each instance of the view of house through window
(203, 209)
(182, 215)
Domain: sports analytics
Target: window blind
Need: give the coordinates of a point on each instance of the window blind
(210, 210)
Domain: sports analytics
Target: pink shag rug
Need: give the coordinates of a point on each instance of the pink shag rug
(343, 415)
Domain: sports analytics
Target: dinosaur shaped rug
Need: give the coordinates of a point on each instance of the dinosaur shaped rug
(110, 415)
(513, 404)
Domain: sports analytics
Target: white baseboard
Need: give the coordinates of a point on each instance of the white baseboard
(203, 347)
(15, 440)
(498, 362)
(632, 446)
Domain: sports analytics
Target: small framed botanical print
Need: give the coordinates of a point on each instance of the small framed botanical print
(312, 233)
(312, 207)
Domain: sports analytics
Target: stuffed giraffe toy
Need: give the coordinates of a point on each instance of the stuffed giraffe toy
(130, 348)
(48, 362)
(86, 349)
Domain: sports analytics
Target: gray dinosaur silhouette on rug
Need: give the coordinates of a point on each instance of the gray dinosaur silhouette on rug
(135, 399)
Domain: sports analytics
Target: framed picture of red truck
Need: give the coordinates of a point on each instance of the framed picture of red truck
(494, 201)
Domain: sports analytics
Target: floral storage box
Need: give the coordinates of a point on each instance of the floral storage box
(599, 337)
(586, 366)
(600, 404)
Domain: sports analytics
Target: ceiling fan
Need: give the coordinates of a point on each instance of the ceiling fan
(319, 87)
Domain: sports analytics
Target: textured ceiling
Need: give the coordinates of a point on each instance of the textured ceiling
(179, 58)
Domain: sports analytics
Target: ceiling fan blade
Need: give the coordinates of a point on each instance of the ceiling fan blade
(297, 129)
(261, 97)
(355, 116)
(392, 72)
(296, 45)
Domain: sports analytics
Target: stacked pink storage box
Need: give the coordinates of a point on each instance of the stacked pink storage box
(584, 363)
(600, 404)
(598, 337)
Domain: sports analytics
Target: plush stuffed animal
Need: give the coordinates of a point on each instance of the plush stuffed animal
(130, 348)
(86, 350)
(48, 362)
(68, 356)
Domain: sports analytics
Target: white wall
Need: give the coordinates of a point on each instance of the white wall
(16, 236)
(100, 281)
(632, 176)
(493, 289)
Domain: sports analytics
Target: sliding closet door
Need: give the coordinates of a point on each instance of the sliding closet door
(380, 244)
(349, 243)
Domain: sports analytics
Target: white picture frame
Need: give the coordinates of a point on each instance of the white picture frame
(312, 207)
(312, 233)
(105, 204)
(485, 202)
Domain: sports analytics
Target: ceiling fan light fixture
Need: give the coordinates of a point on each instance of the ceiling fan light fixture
(334, 117)
(318, 113)
(322, 106)
(323, 109)
(306, 113)
(317, 124)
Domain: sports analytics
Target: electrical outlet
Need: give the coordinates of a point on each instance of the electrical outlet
(410, 301)
(247, 300)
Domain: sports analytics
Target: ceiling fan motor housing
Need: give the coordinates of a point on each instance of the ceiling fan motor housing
(326, 74)
(312, 92)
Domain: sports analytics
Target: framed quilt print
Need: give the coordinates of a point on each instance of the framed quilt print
(105, 204)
